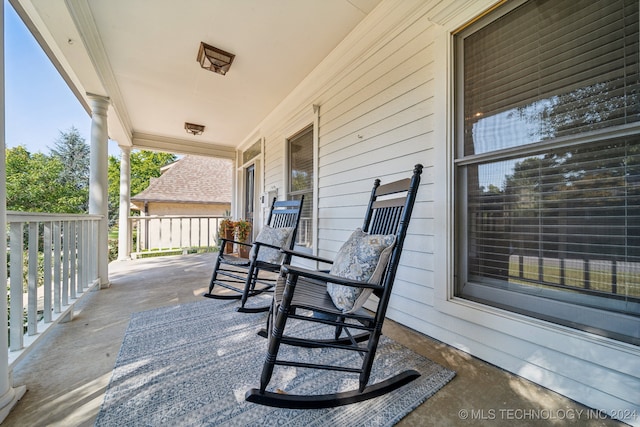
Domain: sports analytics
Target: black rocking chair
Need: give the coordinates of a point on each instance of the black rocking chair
(365, 264)
(247, 277)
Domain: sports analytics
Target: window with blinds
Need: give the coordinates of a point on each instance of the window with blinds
(300, 153)
(548, 163)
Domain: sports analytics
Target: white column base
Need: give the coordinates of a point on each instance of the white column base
(9, 400)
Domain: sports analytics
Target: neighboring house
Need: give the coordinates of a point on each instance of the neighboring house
(194, 186)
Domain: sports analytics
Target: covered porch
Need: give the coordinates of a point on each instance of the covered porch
(321, 116)
(68, 374)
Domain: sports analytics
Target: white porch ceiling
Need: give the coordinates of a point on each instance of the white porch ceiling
(142, 55)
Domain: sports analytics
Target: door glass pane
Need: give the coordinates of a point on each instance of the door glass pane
(249, 196)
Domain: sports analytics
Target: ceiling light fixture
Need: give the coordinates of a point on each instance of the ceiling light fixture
(214, 59)
(193, 128)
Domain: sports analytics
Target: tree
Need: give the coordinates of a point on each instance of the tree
(72, 151)
(146, 165)
(113, 176)
(33, 184)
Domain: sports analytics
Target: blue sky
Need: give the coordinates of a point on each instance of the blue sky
(38, 103)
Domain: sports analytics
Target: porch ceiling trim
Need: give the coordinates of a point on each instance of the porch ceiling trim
(145, 141)
(86, 26)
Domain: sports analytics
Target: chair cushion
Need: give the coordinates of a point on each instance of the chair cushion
(279, 237)
(362, 257)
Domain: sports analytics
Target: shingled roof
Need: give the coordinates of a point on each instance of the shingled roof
(192, 179)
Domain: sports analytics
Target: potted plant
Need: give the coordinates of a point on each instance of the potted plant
(243, 234)
(226, 230)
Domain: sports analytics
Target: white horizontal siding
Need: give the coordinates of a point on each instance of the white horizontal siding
(384, 96)
(273, 160)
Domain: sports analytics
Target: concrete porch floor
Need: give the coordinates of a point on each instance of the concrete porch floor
(67, 374)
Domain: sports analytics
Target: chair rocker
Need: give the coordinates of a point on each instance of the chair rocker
(248, 277)
(365, 264)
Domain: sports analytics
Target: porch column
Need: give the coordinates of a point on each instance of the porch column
(9, 395)
(124, 233)
(99, 183)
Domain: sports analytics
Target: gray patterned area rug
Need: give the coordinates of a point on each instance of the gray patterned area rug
(191, 364)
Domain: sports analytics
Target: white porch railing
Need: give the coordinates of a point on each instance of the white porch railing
(60, 265)
(158, 233)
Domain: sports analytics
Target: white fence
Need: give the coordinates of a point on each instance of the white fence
(609, 276)
(160, 233)
(60, 266)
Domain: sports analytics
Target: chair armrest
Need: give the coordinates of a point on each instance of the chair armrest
(257, 245)
(223, 241)
(307, 256)
(268, 245)
(326, 277)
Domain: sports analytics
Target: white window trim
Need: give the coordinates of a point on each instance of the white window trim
(445, 300)
(309, 116)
